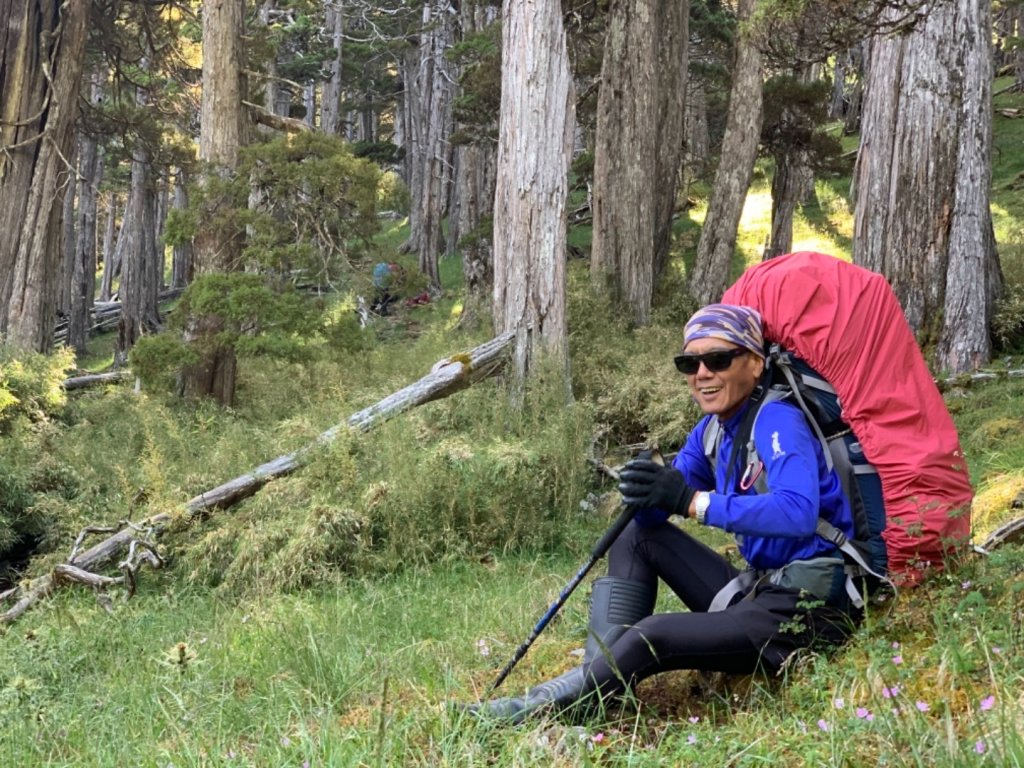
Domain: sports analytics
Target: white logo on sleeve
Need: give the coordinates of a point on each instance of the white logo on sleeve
(777, 451)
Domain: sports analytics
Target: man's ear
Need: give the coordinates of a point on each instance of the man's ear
(758, 366)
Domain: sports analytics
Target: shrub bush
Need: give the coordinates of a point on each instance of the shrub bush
(30, 383)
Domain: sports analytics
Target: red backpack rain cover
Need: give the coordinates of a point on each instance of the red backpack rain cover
(846, 323)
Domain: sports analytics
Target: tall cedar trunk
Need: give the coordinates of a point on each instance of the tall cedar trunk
(473, 197)
(837, 104)
(792, 182)
(220, 137)
(42, 47)
(855, 92)
(330, 106)
(111, 267)
(67, 239)
(922, 179)
(735, 169)
(534, 146)
(1018, 51)
(671, 67)
(412, 117)
(309, 102)
(182, 261)
(140, 285)
(159, 224)
(435, 84)
(637, 159)
(83, 280)
(696, 139)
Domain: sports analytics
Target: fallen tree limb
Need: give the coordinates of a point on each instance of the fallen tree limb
(445, 378)
(95, 379)
(278, 122)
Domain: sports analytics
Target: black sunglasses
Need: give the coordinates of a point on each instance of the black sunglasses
(716, 361)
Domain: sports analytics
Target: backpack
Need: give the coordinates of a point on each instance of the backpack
(845, 322)
(787, 377)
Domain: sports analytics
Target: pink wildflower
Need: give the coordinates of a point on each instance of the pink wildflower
(987, 703)
(922, 706)
(897, 659)
(823, 725)
(979, 747)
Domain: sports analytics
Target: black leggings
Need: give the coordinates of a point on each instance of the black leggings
(739, 639)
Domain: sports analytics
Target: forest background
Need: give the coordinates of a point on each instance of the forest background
(194, 200)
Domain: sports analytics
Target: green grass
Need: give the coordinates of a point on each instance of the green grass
(359, 673)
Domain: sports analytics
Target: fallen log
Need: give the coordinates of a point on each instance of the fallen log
(94, 379)
(445, 378)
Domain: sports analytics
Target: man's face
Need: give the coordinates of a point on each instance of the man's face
(723, 392)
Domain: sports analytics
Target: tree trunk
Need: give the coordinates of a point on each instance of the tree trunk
(330, 106)
(83, 283)
(220, 136)
(140, 285)
(111, 267)
(411, 119)
(534, 147)
(792, 182)
(837, 105)
(1018, 51)
(697, 141)
(182, 262)
(42, 46)
(922, 179)
(637, 158)
(160, 203)
(436, 85)
(855, 99)
(715, 251)
(68, 236)
(473, 198)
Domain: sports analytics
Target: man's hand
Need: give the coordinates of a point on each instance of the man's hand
(646, 484)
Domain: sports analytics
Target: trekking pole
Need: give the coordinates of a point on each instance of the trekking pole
(599, 550)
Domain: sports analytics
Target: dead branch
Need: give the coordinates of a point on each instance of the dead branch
(278, 122)
(94, 379)
(1007, 533)
(445, 378)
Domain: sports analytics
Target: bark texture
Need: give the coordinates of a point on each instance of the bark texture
(83, 278)
(922, 179)
(182, 260)
(793, 180)
(535, 141)
(42, 48)
(638, 147)
(220, 136)
(330, 106)
(435, 84)
(711, 269)
(140, 281)
(473, 198)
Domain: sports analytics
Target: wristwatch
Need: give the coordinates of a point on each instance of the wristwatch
(701, 503)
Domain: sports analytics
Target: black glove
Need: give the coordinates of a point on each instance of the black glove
(645, 483)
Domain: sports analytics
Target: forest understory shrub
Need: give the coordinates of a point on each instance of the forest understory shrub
(467, 477)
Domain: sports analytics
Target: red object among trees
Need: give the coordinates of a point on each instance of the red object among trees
(846, 323)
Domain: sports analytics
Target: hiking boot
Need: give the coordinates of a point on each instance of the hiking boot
(560, 693)
(615, 605)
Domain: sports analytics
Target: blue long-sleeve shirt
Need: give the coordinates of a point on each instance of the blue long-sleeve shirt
(776, 527)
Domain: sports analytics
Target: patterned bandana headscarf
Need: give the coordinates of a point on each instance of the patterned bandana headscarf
(729, 322)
